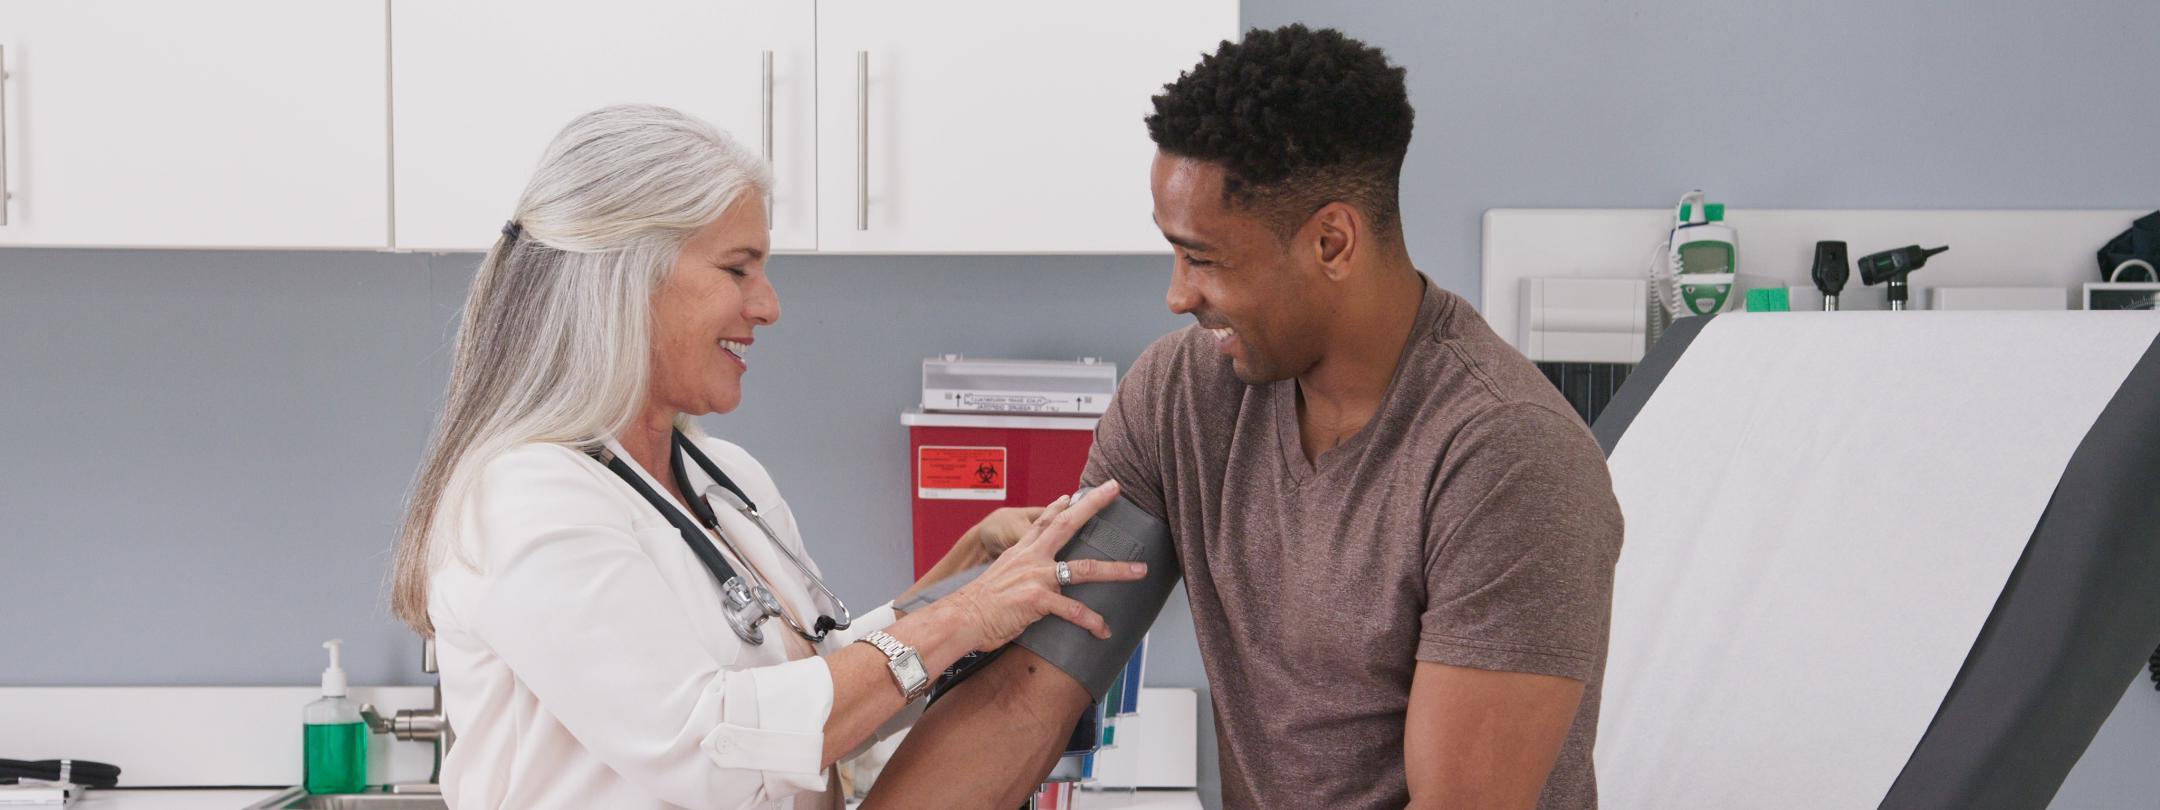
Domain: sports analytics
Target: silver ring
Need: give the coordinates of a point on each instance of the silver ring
(1064, 573)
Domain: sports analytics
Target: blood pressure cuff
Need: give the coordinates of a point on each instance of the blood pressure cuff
(1121, 532)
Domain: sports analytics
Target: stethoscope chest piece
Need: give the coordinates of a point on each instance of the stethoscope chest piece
(748, 606)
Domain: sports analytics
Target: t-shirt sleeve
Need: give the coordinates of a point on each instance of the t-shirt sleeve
(1522, 535)
(1128, 438)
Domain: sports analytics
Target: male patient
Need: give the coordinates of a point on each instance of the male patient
(1397, 539)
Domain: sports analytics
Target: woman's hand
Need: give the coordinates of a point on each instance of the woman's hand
(1002, 529)
(1021, 586)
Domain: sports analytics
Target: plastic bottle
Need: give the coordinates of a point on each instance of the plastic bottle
(336, 734)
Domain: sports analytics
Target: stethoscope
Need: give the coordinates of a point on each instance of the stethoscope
(747, 603)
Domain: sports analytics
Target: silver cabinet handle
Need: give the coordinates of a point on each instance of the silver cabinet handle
(862, 140)
(767, 105)
(5, 195)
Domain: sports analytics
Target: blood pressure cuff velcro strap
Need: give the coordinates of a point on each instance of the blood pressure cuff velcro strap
(1121, 532)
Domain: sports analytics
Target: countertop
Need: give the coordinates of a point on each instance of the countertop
(1136, 800)
(233, 799)
(189, 799)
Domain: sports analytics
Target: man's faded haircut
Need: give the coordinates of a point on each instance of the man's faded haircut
(1298, 119)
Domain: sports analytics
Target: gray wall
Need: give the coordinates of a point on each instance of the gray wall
(211, 446)
(221, 440)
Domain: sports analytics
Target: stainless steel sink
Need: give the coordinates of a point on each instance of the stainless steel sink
(428, 725)
(373, 799)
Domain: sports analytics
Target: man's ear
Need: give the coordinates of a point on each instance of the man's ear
(1338, 233)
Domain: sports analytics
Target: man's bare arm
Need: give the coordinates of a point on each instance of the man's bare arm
(1484, 740)
(990, 742)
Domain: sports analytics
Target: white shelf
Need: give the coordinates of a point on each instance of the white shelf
(1987, 248)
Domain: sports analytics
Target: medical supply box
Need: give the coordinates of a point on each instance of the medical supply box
(995, 433)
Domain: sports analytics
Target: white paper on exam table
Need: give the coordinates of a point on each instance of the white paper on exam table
(1790, 472)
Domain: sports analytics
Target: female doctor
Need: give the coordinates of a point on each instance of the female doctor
(623, 609)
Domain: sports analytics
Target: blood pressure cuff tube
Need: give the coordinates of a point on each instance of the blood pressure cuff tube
(939, 589)
(1121, 532)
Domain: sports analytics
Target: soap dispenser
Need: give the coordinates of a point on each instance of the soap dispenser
(337, 736)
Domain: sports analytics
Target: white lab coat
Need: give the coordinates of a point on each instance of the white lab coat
(586, 661)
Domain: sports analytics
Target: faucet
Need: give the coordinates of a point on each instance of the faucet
(429, 725)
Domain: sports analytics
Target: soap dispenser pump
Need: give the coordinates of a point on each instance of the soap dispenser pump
(336, 739)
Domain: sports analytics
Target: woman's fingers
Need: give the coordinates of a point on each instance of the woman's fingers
(1042, 520)
(1103, 571)
(1068, 520)
(1005, 528)
(1043, 514)
(1070, 609)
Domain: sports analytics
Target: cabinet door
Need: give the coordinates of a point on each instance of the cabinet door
(994, 126)
(210, 123)
(481, 86)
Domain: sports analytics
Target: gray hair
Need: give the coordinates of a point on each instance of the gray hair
(555, 343)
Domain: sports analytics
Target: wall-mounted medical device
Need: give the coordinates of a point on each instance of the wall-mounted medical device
(1700, 261)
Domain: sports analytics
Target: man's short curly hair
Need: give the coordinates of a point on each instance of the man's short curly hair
(1298, 118)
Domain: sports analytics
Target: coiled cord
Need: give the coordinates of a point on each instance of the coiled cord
(73, 771)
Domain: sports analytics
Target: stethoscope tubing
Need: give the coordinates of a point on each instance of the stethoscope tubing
(748, 600)
(825, 622)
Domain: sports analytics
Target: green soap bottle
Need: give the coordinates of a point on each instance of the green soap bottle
(336, 735)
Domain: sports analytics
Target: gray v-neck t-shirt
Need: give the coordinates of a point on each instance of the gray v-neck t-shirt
(1471, 523)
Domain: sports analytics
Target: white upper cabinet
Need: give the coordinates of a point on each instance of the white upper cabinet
(208, 123)
(893, 126)
(481, 86)
(992, 126)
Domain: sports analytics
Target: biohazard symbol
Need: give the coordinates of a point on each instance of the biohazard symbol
(975, 472)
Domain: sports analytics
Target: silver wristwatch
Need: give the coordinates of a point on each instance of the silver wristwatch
(906, 666)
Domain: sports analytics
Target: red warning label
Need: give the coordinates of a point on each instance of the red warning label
(961, 473)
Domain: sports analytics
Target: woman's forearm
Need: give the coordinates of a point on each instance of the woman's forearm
(864, 692)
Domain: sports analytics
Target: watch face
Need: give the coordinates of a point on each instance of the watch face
(911, 669)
